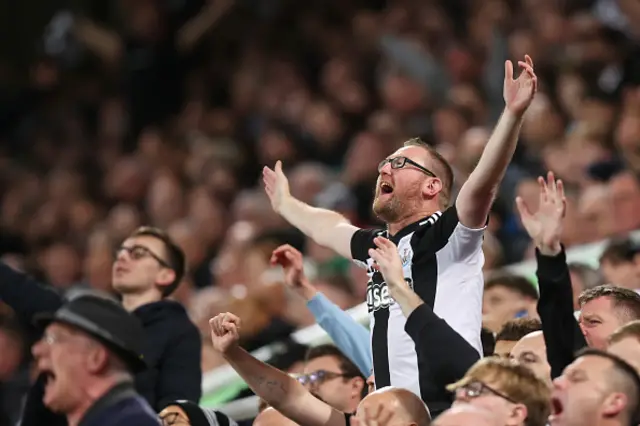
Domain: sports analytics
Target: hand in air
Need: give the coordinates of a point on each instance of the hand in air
(388, 261)
(276, 185)
(381, 416)
(518, 93)
(291, 261)
(225, 331)
(545, 225)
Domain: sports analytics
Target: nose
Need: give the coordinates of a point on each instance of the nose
(559, 382)
(38, 349)
(122, 255)
(386, 168)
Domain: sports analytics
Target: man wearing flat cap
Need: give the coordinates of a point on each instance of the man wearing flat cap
(90, 349)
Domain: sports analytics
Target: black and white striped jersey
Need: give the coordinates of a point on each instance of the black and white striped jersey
(442, 261)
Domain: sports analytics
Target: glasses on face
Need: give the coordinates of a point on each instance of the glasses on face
(400, 162)
(477, 388)
(138, 252)
(318, 377)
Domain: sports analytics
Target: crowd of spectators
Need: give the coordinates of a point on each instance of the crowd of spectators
(163, 113)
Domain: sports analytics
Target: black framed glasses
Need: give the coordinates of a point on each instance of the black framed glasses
(138, 252)
(319, 377)
(400, 162)
(477, 388)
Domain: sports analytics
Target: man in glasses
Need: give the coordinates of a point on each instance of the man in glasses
(332, 377)
(506, 388)
(439, 241)
(148, 267)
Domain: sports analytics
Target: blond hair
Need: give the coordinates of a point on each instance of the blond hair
(513, 380)
(631, 330)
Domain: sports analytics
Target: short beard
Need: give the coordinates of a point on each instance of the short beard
(389, 211)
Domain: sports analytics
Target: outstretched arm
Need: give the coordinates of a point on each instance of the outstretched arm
(325, 227)
(351, 338)
(555, 306)
(278, 389)
(478, 192)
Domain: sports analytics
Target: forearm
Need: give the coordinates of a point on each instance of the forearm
(405, 297)
(496, 156)
(325, 227)
(193, 30)
(478, 192)
(350, 337)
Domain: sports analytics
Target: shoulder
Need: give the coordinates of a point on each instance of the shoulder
(362, 241)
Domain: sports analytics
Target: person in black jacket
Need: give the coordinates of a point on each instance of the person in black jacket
(88, 353)
(603, 308)
(148, 268)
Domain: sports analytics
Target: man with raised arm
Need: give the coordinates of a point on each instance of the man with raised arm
(440, 246)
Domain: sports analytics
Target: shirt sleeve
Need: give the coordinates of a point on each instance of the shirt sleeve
(465, 242)
(361, 242)
(352, 338)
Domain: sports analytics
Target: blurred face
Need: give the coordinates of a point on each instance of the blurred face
(61, 356)
(486, 395)
(625, 192)
(501, 304)
(628, 349)
(62, 265)
(324, 379)
(11, 350)
(399, 192)
(623, 274)
(598, 320)
(503, 348)
(531, 351)
(140, 266)
(578, 395)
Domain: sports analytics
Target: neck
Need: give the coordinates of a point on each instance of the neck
(92, 393)
(133, 301)
(397, 226)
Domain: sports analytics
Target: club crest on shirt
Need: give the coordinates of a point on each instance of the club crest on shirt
(405, 256)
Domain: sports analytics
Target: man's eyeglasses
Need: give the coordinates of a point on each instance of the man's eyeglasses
(138, 252)
(400, 162)
(319, 377)
(477, 388)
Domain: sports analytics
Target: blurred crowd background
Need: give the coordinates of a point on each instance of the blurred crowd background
(163, 112)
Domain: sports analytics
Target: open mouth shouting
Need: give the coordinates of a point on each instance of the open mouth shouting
(557, 407)
(386, 188)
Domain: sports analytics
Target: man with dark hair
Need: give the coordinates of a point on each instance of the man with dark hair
(617, 264)
(148, 267)
(505, 298)
(513, 331)
(332, 377)
(597, 388)
(439, 241)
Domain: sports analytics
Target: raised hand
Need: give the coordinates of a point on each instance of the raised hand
(388, 261)
(381, 416)
(518, 93)
(545, 226)
(291, 261)
(225, 331)
(276, 185)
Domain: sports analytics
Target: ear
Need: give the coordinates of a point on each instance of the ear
(165, 277)
(98, 358)
(614, 404)
(431, 187)
(518, 415)
(357, 386)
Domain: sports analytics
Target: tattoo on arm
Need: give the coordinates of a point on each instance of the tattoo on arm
(273, 387)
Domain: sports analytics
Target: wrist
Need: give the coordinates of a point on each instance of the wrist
(551, 249)
(512, 117)
(231, 351)
(307, 291)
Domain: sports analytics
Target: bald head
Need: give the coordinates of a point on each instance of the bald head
(272, 417)
(404, 406)
(465, 414)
